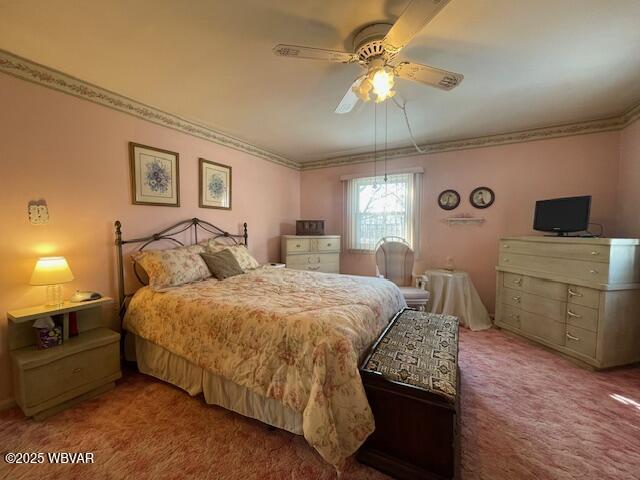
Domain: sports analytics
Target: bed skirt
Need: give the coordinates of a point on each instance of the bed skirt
(161, 363)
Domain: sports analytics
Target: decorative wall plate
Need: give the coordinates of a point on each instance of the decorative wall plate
(482, 197)
(448, 199)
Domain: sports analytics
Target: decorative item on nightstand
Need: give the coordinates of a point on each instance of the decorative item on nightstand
(52, 271)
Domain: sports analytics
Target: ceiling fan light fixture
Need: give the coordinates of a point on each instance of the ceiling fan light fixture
(363, 89)
(382, 81)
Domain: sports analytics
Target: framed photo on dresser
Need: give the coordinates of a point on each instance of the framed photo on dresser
(155, 176)
(215, 185)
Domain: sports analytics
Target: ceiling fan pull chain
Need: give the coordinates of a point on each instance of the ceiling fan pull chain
(386, 130)
(375, 144)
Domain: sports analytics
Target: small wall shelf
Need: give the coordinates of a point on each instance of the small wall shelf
(464, 220)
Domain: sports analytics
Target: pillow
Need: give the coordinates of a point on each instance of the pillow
(244, 258)
(240, 252)
(222, 264)
(173, 267)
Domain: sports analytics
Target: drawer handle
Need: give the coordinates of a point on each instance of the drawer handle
(517, 281)
(505, 246)
(76, 370)
(595, 253)
(571, 337)
(593, 271)
(314, 268)
(574, 315)
(506, 260)
(298, 245)
(329, 244)
(516, 299)
(574, 294)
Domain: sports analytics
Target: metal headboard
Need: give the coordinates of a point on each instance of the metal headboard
(168, 234)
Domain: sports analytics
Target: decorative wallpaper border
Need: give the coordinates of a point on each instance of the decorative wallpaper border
(617, 122)
(27, 70)
(33, 72)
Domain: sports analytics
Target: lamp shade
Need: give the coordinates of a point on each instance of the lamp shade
(51, 271)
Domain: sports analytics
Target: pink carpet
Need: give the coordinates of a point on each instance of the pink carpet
(526, 414)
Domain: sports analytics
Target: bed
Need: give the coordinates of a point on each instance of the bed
(278, 345)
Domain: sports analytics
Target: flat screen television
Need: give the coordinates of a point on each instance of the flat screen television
(562, 215)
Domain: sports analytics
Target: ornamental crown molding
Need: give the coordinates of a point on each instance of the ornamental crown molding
(616, 122)
(33, 72)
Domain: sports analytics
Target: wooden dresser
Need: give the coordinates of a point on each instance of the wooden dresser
(313, 253)
(580, 296)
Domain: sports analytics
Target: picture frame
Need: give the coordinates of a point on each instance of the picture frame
(448, 199)
(215, 185)
(482, 197)
(155, 176)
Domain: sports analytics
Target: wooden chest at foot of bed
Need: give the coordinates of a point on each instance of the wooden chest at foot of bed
(412, 382)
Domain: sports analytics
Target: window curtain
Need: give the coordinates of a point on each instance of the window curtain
(375, 209)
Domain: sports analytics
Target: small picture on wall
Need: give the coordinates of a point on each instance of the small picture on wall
(215, 185)
(155, 176)
(482, 197)
(448, 199)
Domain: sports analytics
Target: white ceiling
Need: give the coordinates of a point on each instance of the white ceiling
(527, 63)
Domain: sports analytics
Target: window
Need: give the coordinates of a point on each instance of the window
(377, 209)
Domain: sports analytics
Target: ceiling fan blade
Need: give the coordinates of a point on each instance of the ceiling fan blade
(417, 14)
(429, 75)
(296, 51)
(350, 98)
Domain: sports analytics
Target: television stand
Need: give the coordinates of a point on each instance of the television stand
(575, 235)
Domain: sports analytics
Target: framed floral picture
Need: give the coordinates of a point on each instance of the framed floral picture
(155, 177)
(215, 185)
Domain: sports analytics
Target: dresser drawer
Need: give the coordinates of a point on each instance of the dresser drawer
(574, 251)
(547, 307)
(312, 259)
(583, 296)
(581, 341)
(583, 317)
(512, 280)
(328, 244)
(543, 328)
(545, 288)
(298, 245)
(53, 379)
(590, 271)
(510, 316)
(318, 267)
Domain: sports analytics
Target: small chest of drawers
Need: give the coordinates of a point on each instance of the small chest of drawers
(311, 253)
(578, 296)
(50, 380)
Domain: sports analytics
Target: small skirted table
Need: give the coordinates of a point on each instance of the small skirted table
(453, 293)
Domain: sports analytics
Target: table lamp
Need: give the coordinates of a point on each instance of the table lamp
(52, 271)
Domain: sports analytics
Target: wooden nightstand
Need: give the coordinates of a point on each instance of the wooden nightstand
(48, 381)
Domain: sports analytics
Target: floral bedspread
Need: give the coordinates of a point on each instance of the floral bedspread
(291, 335)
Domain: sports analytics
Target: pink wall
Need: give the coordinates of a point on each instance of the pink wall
(629, 195)
(519, 174)
(74, 154)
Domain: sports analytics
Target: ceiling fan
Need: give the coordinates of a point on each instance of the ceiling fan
(375, 48)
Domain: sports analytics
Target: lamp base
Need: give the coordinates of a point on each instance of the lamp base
(54, 296)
